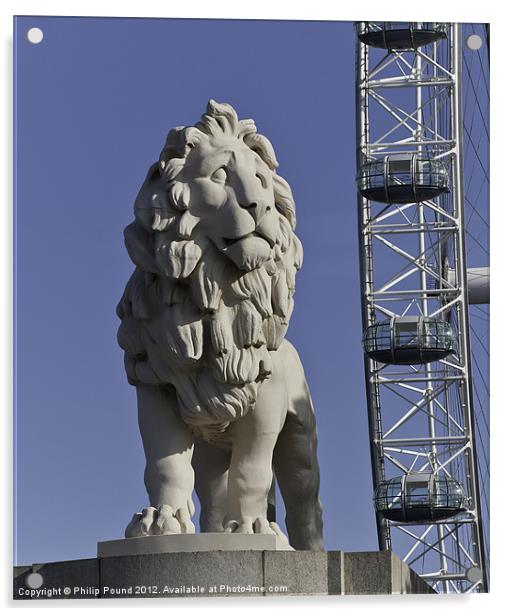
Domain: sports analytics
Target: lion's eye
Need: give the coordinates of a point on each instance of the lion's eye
(262, 179)
(219, 175)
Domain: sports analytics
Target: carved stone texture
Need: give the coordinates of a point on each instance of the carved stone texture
(203, 319)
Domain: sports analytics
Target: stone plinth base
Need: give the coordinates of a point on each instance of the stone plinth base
(221, 573)
(198, 542)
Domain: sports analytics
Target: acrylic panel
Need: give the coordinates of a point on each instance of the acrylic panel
(94, 101)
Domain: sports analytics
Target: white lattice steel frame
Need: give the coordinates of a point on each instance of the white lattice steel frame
(420, 417)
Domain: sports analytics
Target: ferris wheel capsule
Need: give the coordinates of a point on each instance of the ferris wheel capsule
(403, 179)
(401, 35)
(419, 497)
(409, 340)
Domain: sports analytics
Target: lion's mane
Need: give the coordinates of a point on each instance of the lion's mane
(190, 319)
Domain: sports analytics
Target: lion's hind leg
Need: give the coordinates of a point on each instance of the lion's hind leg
(295, 461)
(211, 465)
(297, 472)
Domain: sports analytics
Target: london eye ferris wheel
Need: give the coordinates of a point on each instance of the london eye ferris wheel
(423, 159)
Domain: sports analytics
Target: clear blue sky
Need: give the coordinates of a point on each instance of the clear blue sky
(94, 103)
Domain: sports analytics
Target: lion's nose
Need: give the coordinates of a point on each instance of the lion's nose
(257, 209)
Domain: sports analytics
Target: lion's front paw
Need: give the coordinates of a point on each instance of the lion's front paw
(259, 525)
(163, 520)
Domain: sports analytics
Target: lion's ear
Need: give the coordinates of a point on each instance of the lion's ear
(153, 209)
(174, 144)
(139, 244)
(246, 127)
(179, 142)
(284, 201)
(262, 146)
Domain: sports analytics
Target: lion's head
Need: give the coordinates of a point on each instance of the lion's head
(216, 258)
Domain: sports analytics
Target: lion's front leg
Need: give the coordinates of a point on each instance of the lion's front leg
(250, 472)
(169, 476)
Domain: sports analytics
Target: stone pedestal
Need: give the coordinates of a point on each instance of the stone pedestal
(198, 542)
(249, 572)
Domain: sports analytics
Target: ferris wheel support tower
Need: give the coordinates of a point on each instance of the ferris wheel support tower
(415, 292)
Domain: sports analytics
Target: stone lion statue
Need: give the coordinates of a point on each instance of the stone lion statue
(222, 398)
